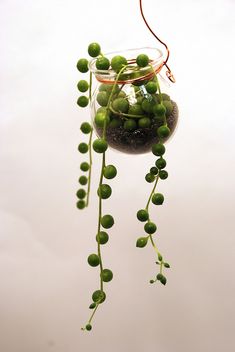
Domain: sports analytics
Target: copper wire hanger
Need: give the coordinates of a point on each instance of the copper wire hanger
(169, 74)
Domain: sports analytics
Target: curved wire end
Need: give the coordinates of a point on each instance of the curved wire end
(170, 75)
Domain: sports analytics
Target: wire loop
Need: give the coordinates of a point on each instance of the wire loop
(169, 74)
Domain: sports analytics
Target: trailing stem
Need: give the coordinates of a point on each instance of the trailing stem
(96, 304)
(90, 163)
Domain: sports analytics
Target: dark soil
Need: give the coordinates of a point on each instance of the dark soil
(140, 140)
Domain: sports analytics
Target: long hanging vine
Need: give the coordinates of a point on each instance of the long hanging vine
(156, 173)
(133, 116)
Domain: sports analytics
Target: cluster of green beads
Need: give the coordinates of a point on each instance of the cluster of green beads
(86, 128)
(104, 191)
(155, 173)
(154, 106)
(85, 167)
(82, 66)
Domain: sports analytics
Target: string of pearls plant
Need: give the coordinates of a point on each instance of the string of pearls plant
(122, 119)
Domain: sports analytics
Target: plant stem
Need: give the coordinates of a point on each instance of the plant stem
(154, 245)
(100, 199)
(157, 83)
(126, 115)
(161, 265)
(101, 180)
(99, 221)
(90, 149)
(113, 88)
(158, 88)
(90, 86)
(93, 313)
(154, 187)
(147, 206)
(161, 100)
(90, 163)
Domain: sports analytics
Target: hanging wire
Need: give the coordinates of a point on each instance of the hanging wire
(169, 74)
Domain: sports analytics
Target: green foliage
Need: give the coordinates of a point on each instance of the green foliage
(94, 49)
(146, 111)
(142, 60)
(82, 65)
(141, 242)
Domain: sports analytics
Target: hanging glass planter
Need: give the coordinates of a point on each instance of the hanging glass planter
(135, 106)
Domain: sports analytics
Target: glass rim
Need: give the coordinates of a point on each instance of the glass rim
(109, 76)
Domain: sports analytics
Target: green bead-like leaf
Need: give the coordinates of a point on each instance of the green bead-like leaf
(92, 305)
(141, 242)
(159, 257)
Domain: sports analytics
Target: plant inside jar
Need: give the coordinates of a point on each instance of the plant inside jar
(133, 112)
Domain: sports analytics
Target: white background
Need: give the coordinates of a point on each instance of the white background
(45, 282)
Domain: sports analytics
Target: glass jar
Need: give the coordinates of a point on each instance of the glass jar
(132, 113)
